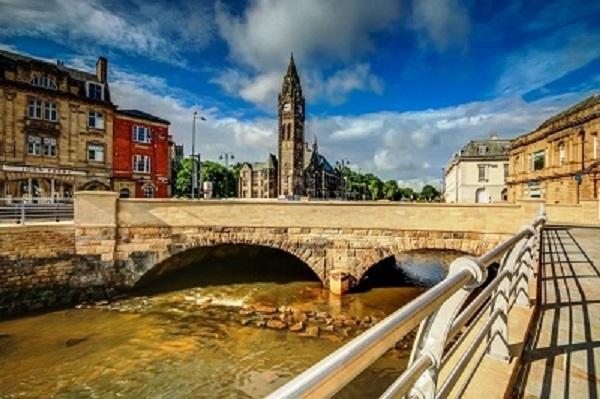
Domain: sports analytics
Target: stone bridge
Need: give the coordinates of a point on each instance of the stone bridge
(124, 240)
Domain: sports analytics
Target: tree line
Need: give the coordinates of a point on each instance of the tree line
(357, 186)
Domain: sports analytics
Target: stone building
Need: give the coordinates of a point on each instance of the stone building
(559, 161)
(258, 179)
(299, 170)
(478, 173)
(142, 162)
(56, 128)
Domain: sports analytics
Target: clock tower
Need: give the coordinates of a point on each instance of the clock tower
(290, 110)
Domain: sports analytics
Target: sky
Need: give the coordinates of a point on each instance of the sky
(395, 87)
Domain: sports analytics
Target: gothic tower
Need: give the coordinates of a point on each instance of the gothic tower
(290, 109)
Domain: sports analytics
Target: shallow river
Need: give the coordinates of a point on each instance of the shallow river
(197, 334)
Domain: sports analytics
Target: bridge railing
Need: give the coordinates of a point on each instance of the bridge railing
(35, 210)
(441, 316)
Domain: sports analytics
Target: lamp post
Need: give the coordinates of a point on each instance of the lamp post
(227, 156)
(341, 164)
(194, 165)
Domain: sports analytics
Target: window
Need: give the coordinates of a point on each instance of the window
(595, 145)
(148, 192)
(539, 158)
(141, 134)
(49, 149)
(95, 119)
(43, 81)
(96, 152)
(505, 172)
(34, 109)
(561, 154)
(95, 91)
(50, 111)
(34, 145)
(482, 172)
(141, 163)
(482, 150)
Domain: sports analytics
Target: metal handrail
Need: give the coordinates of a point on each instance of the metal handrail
(35, 210)
(438, 312)
(348, 361)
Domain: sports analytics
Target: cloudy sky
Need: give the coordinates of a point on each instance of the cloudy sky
(395, 87)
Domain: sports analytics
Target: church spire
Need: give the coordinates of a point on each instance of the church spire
(315, 145)
(291, 71)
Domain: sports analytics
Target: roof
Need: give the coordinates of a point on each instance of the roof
(492, 148)
(142, 115)
(74, 73)
(271, 163)
(588, 102)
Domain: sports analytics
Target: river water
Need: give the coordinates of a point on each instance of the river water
(200, 332)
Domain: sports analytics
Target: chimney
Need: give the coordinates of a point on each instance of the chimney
(494, 136)
(101, 69)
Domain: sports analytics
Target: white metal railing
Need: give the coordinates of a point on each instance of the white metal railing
(438, 312)
(35, 210)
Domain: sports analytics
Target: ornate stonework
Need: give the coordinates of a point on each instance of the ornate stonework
(291, 111)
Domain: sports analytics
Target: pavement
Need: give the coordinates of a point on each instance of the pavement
(561, 358)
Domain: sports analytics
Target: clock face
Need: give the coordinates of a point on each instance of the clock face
(287, 107)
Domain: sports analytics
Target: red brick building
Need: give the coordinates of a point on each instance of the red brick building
(141, 155)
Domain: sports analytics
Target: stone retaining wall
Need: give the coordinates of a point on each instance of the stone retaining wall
(157, 250)
(32, 256)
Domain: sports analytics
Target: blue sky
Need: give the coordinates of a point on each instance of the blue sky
(396, 87)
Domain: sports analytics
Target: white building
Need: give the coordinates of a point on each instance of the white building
(477, 174)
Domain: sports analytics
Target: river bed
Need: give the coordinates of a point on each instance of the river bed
(212, 331)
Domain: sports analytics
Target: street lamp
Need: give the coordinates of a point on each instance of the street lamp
(341, 164)
(227, 156)
(194, 167)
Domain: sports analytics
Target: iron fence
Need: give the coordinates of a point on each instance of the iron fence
(35, 210)
(440, 315)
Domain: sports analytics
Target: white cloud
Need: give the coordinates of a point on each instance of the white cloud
(140, 28)
(444, 22)
(324, 35)
(547, 60)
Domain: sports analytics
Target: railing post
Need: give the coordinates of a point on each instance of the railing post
(22, 212)
(498, 347)
(524, 272)
(433, 331)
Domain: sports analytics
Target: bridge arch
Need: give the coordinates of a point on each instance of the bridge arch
(182, 257)
(135, 251)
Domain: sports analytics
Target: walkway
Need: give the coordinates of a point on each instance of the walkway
(562, 356)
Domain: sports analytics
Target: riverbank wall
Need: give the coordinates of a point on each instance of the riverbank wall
(37, 264)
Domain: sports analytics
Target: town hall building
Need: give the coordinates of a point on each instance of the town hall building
(297, 170)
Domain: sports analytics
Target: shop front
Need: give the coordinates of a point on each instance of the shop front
(42, 184)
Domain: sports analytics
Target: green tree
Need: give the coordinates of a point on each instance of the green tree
(391, 191)
(183, 180)
(223, 179)
(374, 187)
(429, 193)
(407, 193)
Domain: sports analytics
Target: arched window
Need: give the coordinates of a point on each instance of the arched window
(148, 192)
(124, 193)
(481, 196)
(43, 81)
(288, 132)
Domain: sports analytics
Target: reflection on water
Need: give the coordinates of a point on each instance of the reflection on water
(181, 337)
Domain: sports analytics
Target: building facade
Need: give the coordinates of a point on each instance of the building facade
(478, 173)
(298, 170)
(559, 161)
(56, 128)
(258, 179)
(142, 157)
